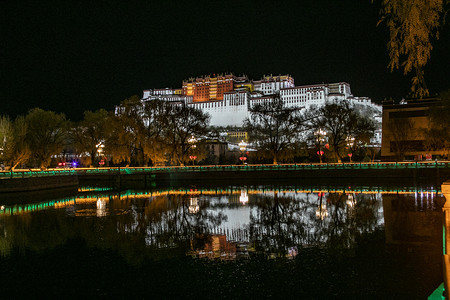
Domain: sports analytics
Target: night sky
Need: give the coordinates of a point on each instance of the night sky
(72, 56)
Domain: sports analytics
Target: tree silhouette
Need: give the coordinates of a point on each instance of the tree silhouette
(412, 26)
(340, 121)
(90, 134)
(46, 134)
(181, 123)
(274, 129)
(14, 148)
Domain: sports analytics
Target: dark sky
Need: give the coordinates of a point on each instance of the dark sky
(72, 56)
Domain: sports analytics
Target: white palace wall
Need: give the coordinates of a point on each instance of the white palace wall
(234, 108)
(231, 111)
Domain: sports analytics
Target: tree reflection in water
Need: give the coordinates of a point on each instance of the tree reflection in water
(140, 227)
(316, 219)
(335, 237)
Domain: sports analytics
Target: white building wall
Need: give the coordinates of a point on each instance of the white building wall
(168, 98)
(273, 85)
(234, 108)
(232, 111)
(147, 93)
(303, 96)
(165, 91)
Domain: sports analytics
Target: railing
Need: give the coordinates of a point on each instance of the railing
(209, 168)
(21, 173)
(269, 167)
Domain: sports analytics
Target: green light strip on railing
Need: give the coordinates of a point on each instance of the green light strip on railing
(443, 240)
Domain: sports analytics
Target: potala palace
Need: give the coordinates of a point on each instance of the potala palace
(227, 98)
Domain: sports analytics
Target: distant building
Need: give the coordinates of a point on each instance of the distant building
(227, 98)
(269, 85)
(210, 88)
(215, 150)
(237, 136)
(403, 130)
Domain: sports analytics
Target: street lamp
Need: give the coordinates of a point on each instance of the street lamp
(320, 139)
(192, 142)
(100, 148)
(242, 148)
(350, 143)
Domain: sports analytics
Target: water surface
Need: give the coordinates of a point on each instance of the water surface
(225, 241)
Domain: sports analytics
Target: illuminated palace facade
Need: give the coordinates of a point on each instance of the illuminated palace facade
(228, 98)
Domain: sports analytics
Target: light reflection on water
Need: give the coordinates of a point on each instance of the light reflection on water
(227, 223)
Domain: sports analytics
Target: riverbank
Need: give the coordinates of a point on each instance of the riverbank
(142, 177)
(33, 184)
(147, 177)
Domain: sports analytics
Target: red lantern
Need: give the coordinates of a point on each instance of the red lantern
(327, 146)
(350, 155)
(320, 153)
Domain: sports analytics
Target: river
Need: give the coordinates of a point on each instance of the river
(221, 241)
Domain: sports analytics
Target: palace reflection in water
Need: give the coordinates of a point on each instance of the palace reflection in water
(313, 228)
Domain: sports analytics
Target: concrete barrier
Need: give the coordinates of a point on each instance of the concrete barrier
(37, 183)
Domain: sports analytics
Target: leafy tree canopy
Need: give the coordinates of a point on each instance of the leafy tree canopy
(412, 25)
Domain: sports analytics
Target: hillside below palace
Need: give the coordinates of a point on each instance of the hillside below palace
(228, 98)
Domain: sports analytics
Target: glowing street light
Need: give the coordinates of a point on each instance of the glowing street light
(350, 143)
(100, 147)
(320, 134)
(243, 147)
(192, 141)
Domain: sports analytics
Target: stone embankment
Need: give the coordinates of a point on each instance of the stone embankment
(119, 178)
(435, 173)
(31, 184)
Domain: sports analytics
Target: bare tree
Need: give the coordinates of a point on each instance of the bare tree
(183, 122)
(338, 120)
(274, 129)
